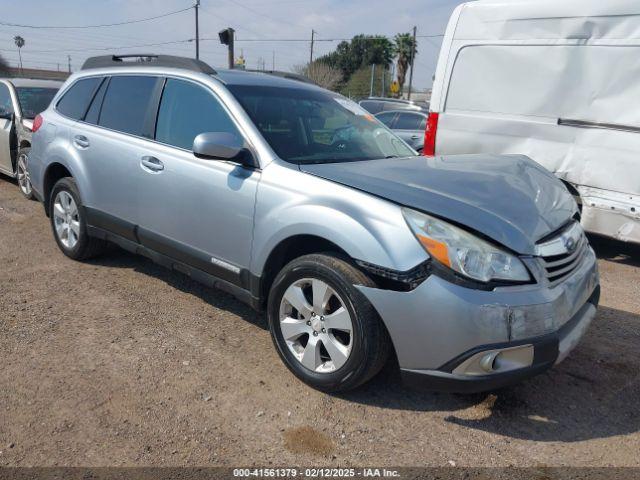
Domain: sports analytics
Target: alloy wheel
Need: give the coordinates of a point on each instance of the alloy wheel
(66, 219)
(24, 181)
(316, 325)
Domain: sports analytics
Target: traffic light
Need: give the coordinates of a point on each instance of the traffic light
(226, 36)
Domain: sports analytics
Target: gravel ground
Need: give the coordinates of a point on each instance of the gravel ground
(120, 362)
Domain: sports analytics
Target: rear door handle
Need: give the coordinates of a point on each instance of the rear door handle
(415, 137)
(81, 141)
(152, 163)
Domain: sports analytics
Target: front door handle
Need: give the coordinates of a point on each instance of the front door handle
(81, 141)
(152, 163)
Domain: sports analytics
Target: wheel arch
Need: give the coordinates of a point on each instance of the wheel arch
(289, 249)
(54, 172)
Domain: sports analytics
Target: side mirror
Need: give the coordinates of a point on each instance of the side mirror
(5, 114)
(223, 146)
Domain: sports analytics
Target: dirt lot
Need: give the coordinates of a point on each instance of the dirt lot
(119, 362)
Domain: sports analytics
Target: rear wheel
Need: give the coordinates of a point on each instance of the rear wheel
(68, 222)
(325, 330)
(22, 174)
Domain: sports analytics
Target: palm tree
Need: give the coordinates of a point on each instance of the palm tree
(405, 52)
(19, 41)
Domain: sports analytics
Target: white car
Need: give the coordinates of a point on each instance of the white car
(556, 81)
(21, 99)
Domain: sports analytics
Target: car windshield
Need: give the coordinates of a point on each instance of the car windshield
(316, 126)
(34, 100)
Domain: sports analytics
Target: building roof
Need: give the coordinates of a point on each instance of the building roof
(37, 73)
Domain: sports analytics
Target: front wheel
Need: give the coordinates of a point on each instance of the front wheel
(22, 174)
(325, 330)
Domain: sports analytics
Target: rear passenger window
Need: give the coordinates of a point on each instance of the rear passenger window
(408, 121)
(386, 118)
(75, 101)
(187, 110)
(126, 105)
(6, 105)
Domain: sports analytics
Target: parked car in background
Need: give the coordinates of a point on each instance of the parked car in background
(291, 198)
(408, 125)
(556, 81)
(21, 100)
(381, 104)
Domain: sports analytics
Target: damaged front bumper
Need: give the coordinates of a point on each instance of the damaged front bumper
(452, 338)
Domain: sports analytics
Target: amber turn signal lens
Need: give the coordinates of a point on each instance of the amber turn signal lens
(436, 249)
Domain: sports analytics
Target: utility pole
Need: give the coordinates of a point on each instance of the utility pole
(232, 34)
(273, 61)
(384, 72)
(313, 34)
(373, 73)
(195, 7)
(413, 57)
(69, 60)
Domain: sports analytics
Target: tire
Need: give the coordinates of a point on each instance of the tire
(22, 174)
(77, 244)
(367, 345)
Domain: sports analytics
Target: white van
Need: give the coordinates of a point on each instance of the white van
(558, 81)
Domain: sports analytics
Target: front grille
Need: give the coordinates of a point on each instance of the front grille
(562, 253)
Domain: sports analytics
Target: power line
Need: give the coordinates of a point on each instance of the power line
(96, 26)
(235, 2)
(58, 50)
(373, 37)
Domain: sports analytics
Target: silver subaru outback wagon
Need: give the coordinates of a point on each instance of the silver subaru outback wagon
(473, 271)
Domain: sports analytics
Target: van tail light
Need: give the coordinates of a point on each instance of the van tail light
(37, 123)
(429, 149)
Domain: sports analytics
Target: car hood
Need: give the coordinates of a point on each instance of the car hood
(508, 198)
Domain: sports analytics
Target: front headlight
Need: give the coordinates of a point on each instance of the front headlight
(464, 252)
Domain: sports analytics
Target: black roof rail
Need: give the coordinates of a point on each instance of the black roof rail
(146, 59)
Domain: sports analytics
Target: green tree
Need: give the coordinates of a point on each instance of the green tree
(359, 84)
(404, 44)
(19, 41)
(361, 51)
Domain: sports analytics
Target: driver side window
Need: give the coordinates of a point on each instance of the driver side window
(187, 110)
(6, 105)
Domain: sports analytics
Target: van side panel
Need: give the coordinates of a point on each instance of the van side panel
(558, 88)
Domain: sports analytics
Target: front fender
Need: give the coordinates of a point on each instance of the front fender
(290, 203)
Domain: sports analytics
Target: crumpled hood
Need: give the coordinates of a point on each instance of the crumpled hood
(508, 198)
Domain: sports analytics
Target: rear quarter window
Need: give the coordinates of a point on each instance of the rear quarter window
(75, 101)
(408, 121)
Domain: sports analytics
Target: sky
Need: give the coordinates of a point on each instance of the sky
(257, 24)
